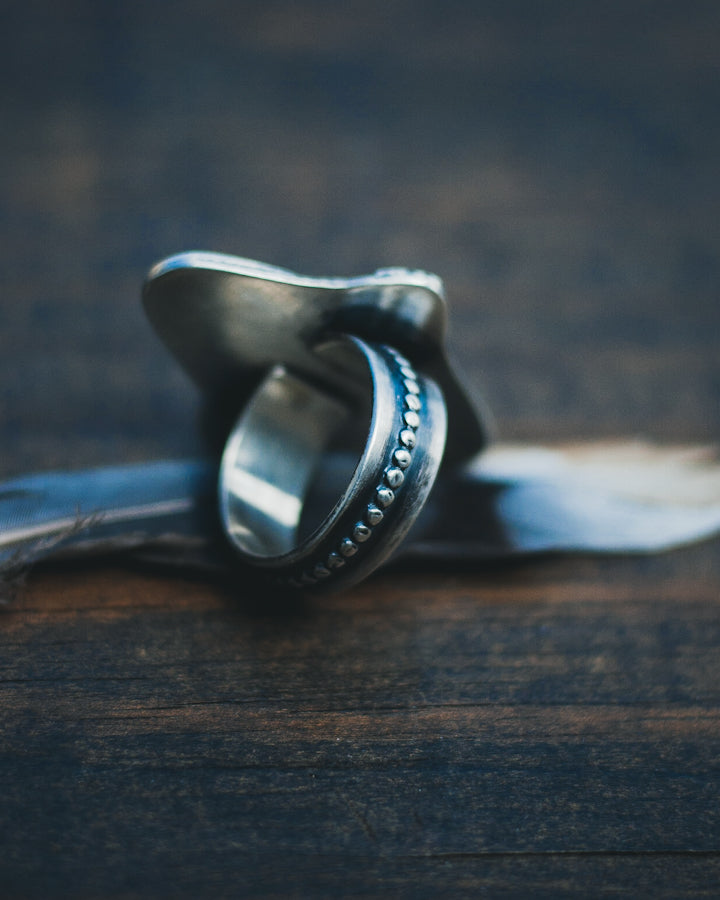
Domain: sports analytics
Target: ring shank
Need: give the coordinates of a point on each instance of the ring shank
(279, 449)
(271, 459)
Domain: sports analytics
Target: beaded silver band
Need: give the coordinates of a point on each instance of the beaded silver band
(384, 495)
(386, 492)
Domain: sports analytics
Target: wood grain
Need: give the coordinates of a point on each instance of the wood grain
(546, 730)
(418, 734)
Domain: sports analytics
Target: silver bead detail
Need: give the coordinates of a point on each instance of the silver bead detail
(411, 418)
(348, 547)
(373, 515)
(407, 438)
(412, 402)
(361, 532)
(411, 386)
(335, 561)
(402, 457)
(394, 477)
(384, 496)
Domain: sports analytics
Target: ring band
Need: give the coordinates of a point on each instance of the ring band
(277, 463)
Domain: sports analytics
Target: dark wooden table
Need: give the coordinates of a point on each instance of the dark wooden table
(550, 729)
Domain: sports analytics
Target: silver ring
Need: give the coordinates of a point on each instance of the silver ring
(229, 320)
(277, 469)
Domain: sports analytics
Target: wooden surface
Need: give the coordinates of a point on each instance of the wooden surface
(550, 729)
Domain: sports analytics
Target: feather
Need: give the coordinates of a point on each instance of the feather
(106, 509)
(611, 496)
(600, 497)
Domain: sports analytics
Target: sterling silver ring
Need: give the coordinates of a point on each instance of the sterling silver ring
(346, 403)
(290, 508)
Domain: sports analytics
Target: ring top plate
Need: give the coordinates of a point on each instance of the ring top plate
(228, 320)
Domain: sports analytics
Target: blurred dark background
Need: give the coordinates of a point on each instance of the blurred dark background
(556, 163)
